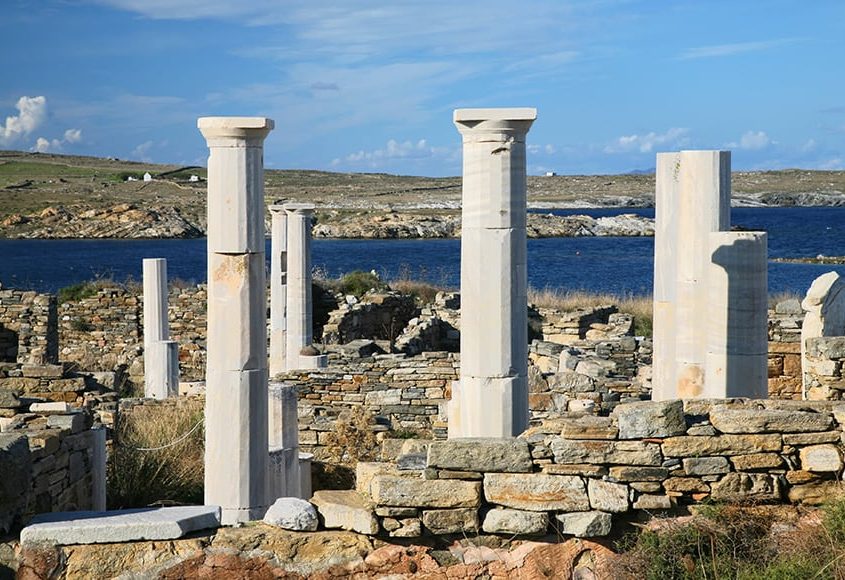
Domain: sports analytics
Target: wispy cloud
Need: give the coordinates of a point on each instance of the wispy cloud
(44, 145)
(752, 141)
(32, 112)
(396, 150)
(719, 50)
(647, 143)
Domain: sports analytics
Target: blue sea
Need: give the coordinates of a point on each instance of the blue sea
(617, 265)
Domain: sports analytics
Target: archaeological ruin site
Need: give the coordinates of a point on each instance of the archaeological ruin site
(474, 435)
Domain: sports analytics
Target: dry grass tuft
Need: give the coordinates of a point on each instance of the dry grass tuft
(146, 467)
(639, 306)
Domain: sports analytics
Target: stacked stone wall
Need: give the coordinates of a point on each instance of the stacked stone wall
(47, 463)
(28, 332)
(823, 371)
(577, 474)
(785, 350)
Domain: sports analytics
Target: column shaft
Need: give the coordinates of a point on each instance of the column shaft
(278, 290)
(158, 372)
(236, 446)
(492, 397)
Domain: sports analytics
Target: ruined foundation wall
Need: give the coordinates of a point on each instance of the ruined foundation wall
(28, 327)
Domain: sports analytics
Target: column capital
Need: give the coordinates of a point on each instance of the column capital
(276, 208)
(300, 208)
(498, 124)
(234, 128)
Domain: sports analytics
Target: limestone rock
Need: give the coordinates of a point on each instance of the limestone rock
(756, 461)
(706, 465)
(608, 497)
(820, 458)
(515, 522)
(815, 492)
(729, 420)
(396, 491)
(650, 419)
(408, 528)
(648, 501)
(686, 446)
(536, 491)
(571, 382)
(292, 513)
(480, 454)
(589, 427)
(739, 487)
(618, 452)
(585, 524)
(365, 471)
(629, 473)
(346, 509)
(451, 521)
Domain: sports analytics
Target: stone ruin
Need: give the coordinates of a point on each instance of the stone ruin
(572, 469)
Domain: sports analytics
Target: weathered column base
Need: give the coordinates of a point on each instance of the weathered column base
(285, 479)
(162, 364)
(305, 460)
(488, 407)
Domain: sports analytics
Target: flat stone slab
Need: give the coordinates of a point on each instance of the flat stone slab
(167, 523)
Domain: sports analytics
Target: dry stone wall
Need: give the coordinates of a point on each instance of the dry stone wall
(823, 372)
(785, 350)
(28, 327)
(577, 474)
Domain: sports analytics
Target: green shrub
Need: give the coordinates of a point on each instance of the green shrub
(359, 283)
(77, 292)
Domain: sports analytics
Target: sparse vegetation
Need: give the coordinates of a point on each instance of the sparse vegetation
(157, 457)
(353, 438)
(740, 543)
(357, 283)
(639, 306)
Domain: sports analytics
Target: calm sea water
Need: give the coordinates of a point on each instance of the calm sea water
(619, 265)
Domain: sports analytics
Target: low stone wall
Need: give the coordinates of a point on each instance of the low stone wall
(48, 463)
(28, 327)
(785, 321)
(576, 474)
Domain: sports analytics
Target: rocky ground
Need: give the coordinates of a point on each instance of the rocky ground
(56, 196)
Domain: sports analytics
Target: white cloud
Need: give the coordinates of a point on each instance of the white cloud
(832, 164)
(718, 50)
(32, 111)
(142, 151)
(752, 141)
(395, 150)
(534, 149)
(647, 143)
(73, 135)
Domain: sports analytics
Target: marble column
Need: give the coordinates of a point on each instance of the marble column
(161, 359)
(236, 440)
(491, 398)
(278, 289)
(284, 442)
(665, 274)
(299, 316)
(737, 316)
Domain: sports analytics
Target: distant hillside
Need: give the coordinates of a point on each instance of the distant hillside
(51, 195)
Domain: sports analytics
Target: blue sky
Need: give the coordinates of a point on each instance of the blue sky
(363, 85)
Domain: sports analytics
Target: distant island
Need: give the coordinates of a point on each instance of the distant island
(63, 196)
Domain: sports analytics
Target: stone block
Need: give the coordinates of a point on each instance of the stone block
(648, 501)
(820, 458)
(756, 461)
(451, 521)
(42, 371)
(346, 509)
(729, 420)
(631, 473)
(365, 471)
(601, 452)
(650, 419)
(67, 528)
(74, 422)
(706, 465)
(607, 496)
(585, 524)
(589, 427)
(9, 399)
(480, 454)
(571, 382)
(744, 487)
(536, 491)
(291, 513)
(686, 446)
(685, 485)
(48, 408)
(515, 522)
(811, 438)
(387, 490)
(816, 492)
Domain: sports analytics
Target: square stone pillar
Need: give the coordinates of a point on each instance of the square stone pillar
(161, 360)
(737, 312)
(491, 398)
(236, 434)
(278, 289)
(299, 315)
(692, 200)
(284, 442)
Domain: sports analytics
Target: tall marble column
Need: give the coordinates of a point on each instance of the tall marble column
(737, 329)
(278, 289)
(161, 355)
(299, 316)
(491, 398)
(236, 440)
